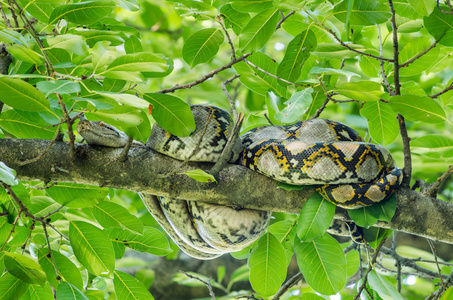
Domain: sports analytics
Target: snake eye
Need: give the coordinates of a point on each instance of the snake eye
(101, 123)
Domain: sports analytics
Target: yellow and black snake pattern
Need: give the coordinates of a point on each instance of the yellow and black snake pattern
(324, 153)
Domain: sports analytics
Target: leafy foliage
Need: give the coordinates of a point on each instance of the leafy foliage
(118, 61)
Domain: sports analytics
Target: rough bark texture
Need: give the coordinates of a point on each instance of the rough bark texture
(237, 185)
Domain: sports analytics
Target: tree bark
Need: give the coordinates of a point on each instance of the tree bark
(142, 172)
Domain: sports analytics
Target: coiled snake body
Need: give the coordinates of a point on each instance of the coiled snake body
(325, 153)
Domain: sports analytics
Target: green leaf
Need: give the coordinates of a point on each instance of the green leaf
(434, 145)
(77, 195)
(353, 263)
(290, 187)
(315, 218)
(26, 125)
(418, 108)
(297, 105)
(252, 5)
(92, 36)
(196, 8)
(423, 7)
(5, 230)
(297, 53)
(141, 62)
(133, 45)
(413, 49)
(285, 232)
(310, 296)
(67, 270)
(127, 287)
(233, 18)
(366, 13)
(92, 247)
(25, 269)
(382, 122)
(331, 71)
(110, 214)
(337, 51)
(388, 209)
(58, 86)
(41, 293)
(70, 42)
(200, 175)
(323, 264)
(25, 54)
(361, 90)
(258, 30)
(171, 113)
(375, 235)
(11, 287)
(440, 26)
(202, 46)
(258, 81)
(22, 95)
(83, 13)
(152, 241)
(240, 274)
(364, 216)
(267, 265)
(41, 206)
(7, 175)
(383, 286)
(67, 291)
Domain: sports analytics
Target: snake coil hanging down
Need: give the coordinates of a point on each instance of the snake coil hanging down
(325, 153)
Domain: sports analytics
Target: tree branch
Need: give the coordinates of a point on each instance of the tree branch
(205, 77)
(237, 186)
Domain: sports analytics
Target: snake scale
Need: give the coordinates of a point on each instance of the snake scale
(330, 155)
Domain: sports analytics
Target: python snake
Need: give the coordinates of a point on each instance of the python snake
(325, 153)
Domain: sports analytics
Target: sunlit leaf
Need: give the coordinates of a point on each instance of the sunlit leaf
(267, 265)
(92, 247)
(127, 287)
(202, 46)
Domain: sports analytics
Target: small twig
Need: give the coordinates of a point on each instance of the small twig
(373, 261)
(396, 73)
(343, 43)
(328, 98)
(205, 77)
(268, 120)
(283, 19)
(16, 199)
(49, 255)
(11, 231)
(445, 11)
(52, 213)
(231, 101)
(433, 250)
(448, 88)
(58, 232)
(437, 294)
(233, 52)
(397, 264)
(288, 284)
(207, 283)
(407, 170)
(229, 147)
(272, 75)
(407, 63)
(123, 155)
(433, 188)
(28, 161)
(381, 63)
(5, 18)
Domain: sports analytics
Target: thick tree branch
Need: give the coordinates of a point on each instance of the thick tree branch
(238, 186)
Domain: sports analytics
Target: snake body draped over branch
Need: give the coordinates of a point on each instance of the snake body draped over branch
(325, 153)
